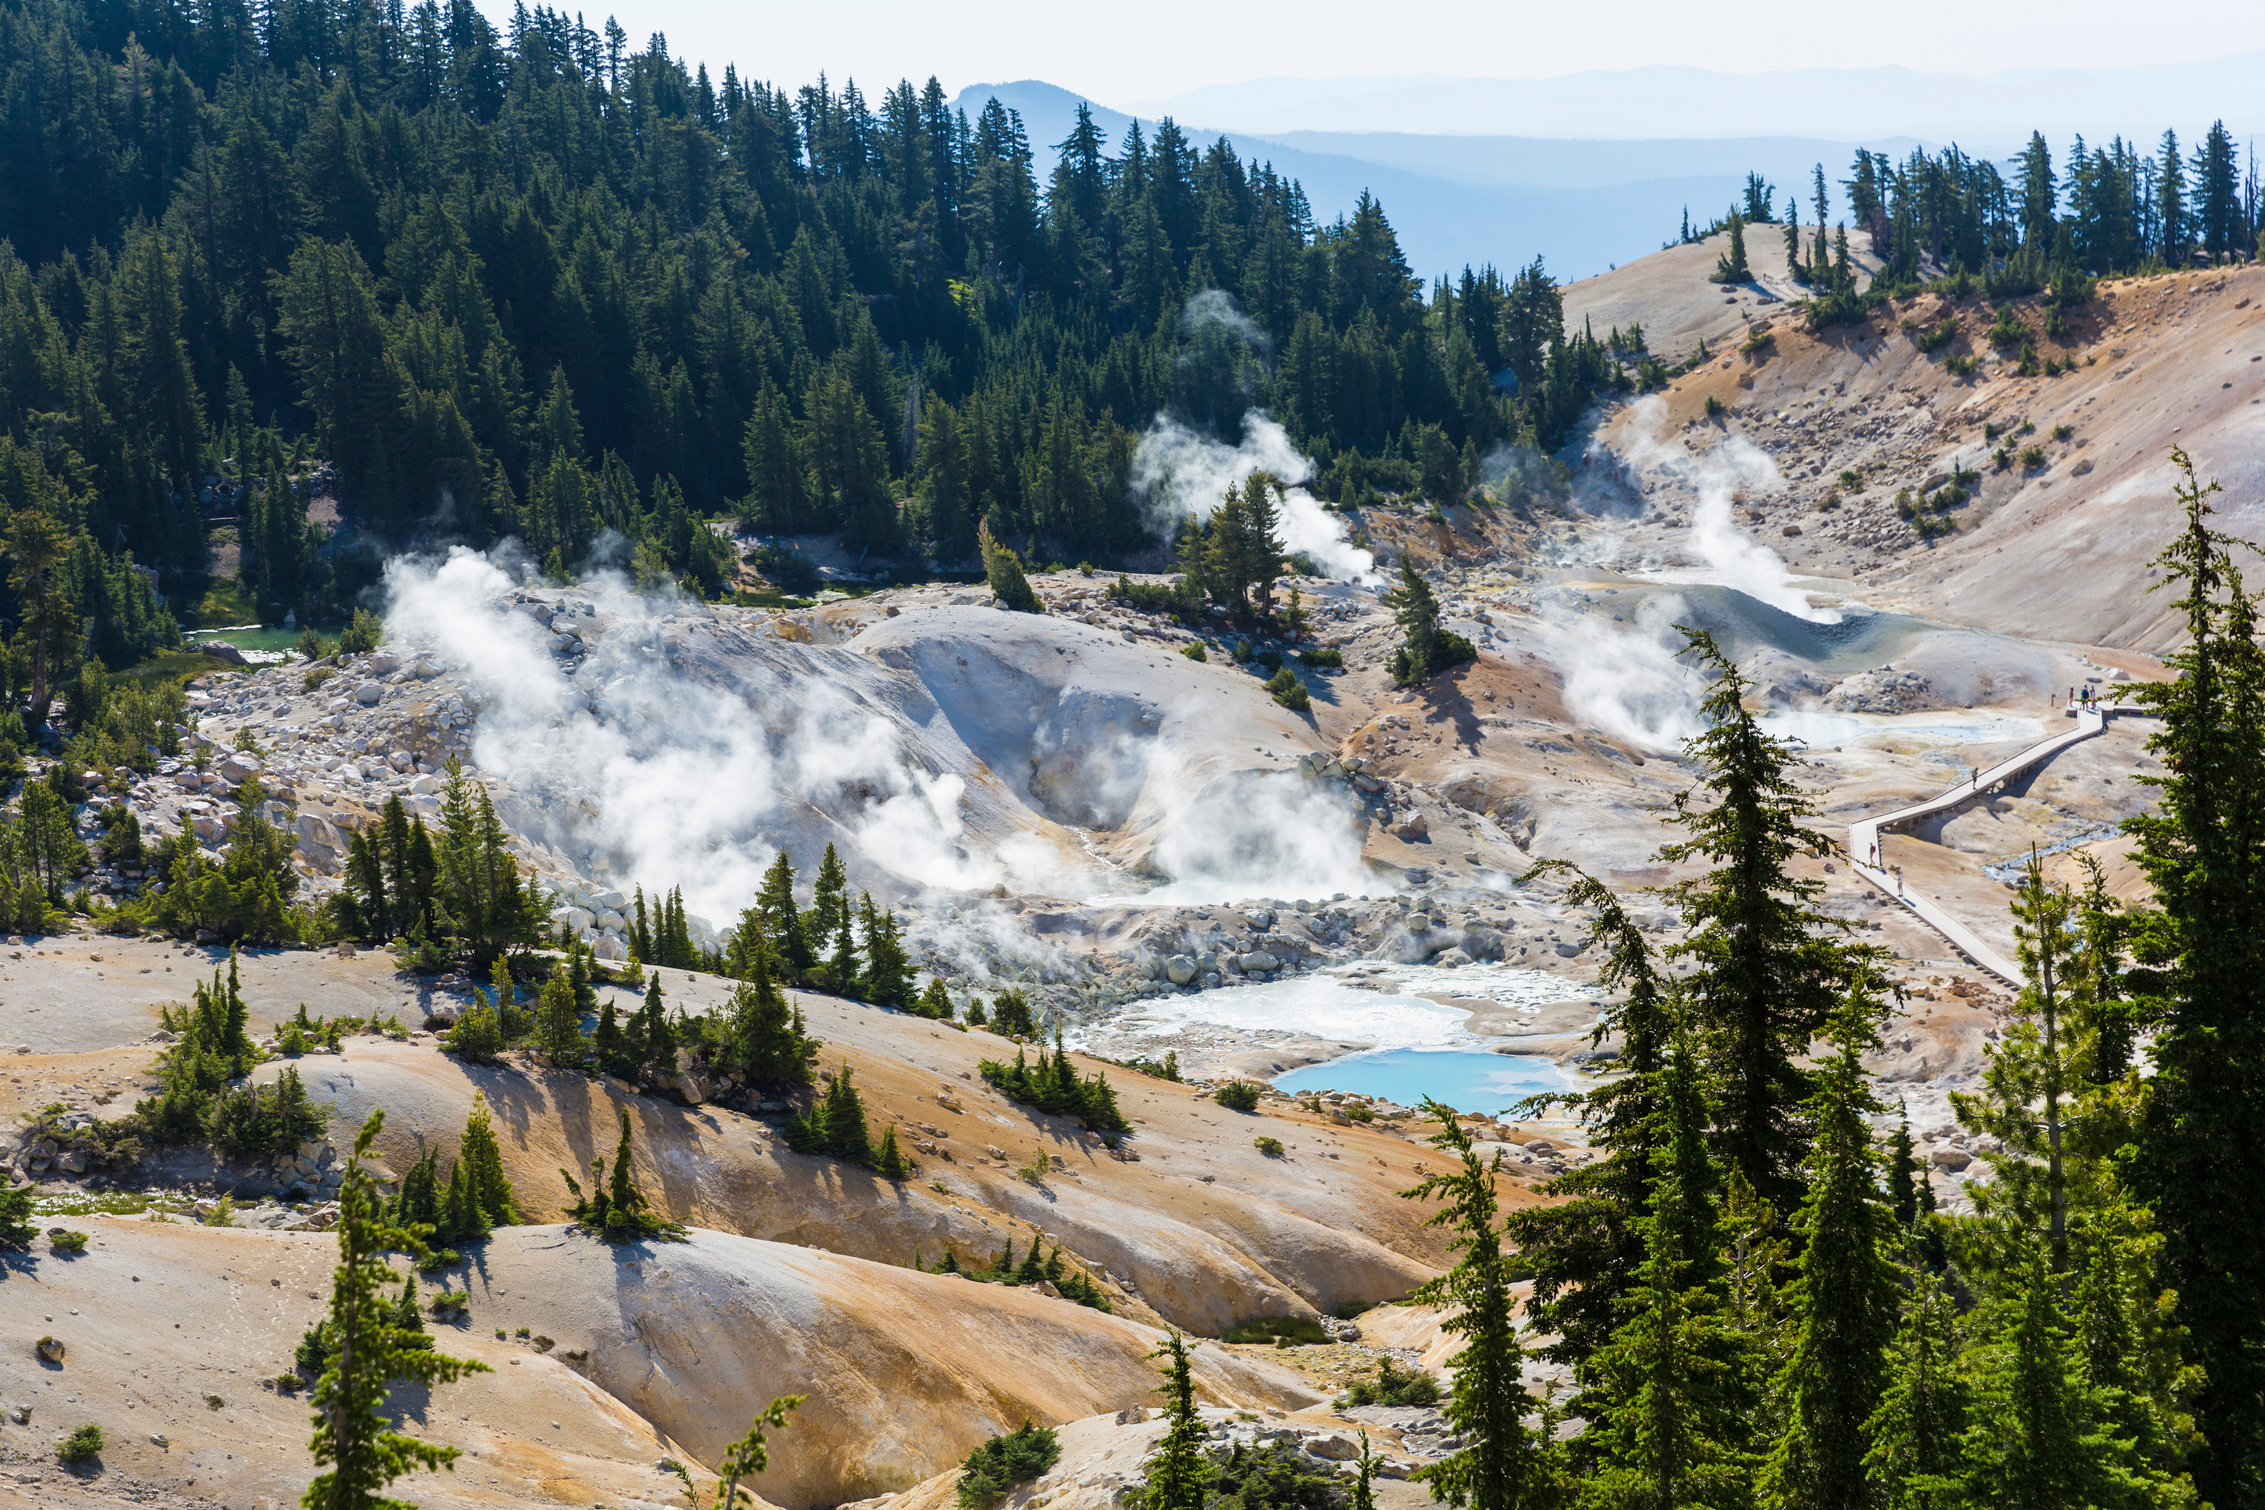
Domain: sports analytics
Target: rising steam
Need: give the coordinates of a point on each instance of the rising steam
(632, 770)
(1184, 465)
(1181, 474)
(690, 746)
(1733, 558)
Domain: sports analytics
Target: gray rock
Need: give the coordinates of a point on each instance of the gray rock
(368, 694)
(1259, 962)
(1951, 1159)
(1180, 969)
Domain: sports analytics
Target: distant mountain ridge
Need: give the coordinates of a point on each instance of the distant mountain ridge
(1684, 102)
(1581, 206)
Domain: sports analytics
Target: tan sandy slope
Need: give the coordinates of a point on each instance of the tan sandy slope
(653, 1350)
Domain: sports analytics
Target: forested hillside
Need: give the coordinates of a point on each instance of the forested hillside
(551, 285)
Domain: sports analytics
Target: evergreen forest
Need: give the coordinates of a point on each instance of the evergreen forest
(463, 286)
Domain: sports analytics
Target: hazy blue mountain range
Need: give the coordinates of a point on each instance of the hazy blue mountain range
(1667, 101)
(1581, 206)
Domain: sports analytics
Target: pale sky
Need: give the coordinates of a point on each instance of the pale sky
(1158, 48)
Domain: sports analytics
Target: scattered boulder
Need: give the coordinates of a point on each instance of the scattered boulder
(368, 694)
(51, 1349)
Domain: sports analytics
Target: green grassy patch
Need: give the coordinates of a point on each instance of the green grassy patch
(1274, 1328)
(171, 666)
(221, 604)
(107, 1203)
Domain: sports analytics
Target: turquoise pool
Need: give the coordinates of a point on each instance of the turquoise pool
(1468, 1080)
(258, 638)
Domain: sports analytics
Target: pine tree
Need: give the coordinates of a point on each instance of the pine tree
(888, 975)
(888, 1158)
(480, 895)
(1003, 568)
(1672, 1394)
(841, 965)
(610, 1047)
(408, 1316)
(836, 1125)
(1503, 1466)
(649, 1042)
(676, 948)
(1731, 266)
(2033, 1443)
(2174, 240)
(1033, 1267)
(766, 1038)
(1843, 1302)
(1915, 1460)
(578, 962)
(1903, 1177)
(417, 1206)
(622, 1195)
(2128, 1366)
(558, 1024)
(461, 1220)
(616, 1209)
(1766, 976)
(640, 931)
(782, 924)
(2106, 1022)
(1425, 648)
(1585, 1245)
(482, 1159)
(935, 1001)
(2203, 851)
(1010, 1016)
(369, 1353)
(829, 900)
(393, 853)
(1179, 1471)
(2030, 1075)
(364, 894)
(503, 994)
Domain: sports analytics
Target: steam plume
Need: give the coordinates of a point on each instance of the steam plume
(1181, 474)
(1733, 558)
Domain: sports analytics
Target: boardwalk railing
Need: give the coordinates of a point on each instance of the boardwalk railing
(1864, 836)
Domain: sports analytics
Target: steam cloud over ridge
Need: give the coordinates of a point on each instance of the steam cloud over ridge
(690, 746)
(669, 778)
(1183, 474)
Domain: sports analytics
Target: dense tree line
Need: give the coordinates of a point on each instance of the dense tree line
(545, 284)
(2103, 210)
(2106, 209)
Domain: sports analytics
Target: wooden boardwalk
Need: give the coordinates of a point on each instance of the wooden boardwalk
(1864, 835)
